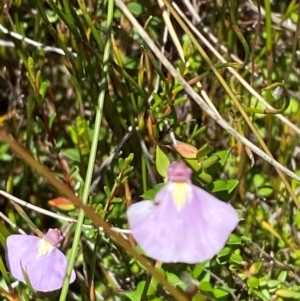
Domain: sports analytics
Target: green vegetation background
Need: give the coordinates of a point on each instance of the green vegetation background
(100, 102)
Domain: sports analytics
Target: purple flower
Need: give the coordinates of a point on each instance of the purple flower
(39, 258)
(184, 223)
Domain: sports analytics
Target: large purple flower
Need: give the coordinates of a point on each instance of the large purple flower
(39, 259)
(184, 223)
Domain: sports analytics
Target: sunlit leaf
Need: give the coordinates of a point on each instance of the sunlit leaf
(185, 150)
(162, 162)
(62, 204)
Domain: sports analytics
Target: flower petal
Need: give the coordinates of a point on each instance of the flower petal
(47, 273)
(17, 248)
(195, 233)
(139, 211)
(209, 224)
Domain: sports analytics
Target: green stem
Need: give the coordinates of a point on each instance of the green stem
(92, 26)
(54, 34)
(144, 174)
(233, 9)
(268, 21)
(92, 158)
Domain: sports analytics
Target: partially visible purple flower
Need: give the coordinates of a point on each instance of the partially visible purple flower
(184, 223)
(39, 258)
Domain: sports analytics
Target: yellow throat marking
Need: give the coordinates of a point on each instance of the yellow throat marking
(44, 247)
(180, 192)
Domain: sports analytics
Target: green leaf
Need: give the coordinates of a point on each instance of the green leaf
(231, 184)
(71, 153)
(233, 267)
(224, 252)
(286, 293)
(204, 151)
(223, 156)
(136, 8)
(273, 283)
(73, 134)
(130, 63)
(255, 268)
(51, 119)
(259, 180)
(40, 100)
(206, 277)
(107, 191)
(30, 63)
(175, 280)
(209, 162)
(243, 275)
(151, 289)
(265, 192)
(198, 269)
(223, 255)
(253, 282)
(236, 258)
(4, 153)
(205, 287)
(150, 194)
(263, 280)
(133, 296)
(157, 100)
(43, 89)
(205, 177)
(220, 293)
(293, 106)
(282, 276)
(162, 162)
(221, 185)
(52, 16)
(180, 99)
(3, 271)
(38, 78)
(199, 297)
(266, 293)
(261, 295)
(234, 240)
